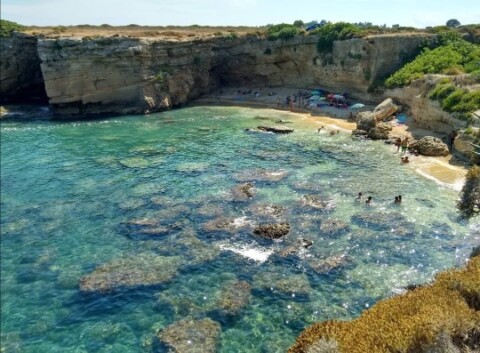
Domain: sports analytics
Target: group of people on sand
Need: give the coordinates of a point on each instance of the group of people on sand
(403, 146)
(369, 200)
(331, 133)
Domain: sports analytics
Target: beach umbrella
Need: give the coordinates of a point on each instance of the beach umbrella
(338, 97)
(357, 106)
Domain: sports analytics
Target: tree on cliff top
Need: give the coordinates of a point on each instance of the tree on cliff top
(453, 23)
(469, 203)
(331, 32)
(8, 27)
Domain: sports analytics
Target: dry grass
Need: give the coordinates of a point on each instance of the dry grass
(134, 31)
(409, 323)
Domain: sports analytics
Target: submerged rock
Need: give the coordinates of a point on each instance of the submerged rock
(334, 227)
(277, 129)
(191, 336)
(260, 175)
(131, 271)
(318, 202)
(381, 220)
(134, 162)
(192, 249)
(328, 264)
(285, 283)
(243, 192)
(234, 297)
(272, 231)
(268, 210)
(193, 167)
(224, 224)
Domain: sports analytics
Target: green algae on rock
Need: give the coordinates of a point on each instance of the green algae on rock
(131, 271)
(191, 336)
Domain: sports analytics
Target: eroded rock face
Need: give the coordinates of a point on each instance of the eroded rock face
(132, 75)
(365, 121)
(21, 78)
(380, 132)
(131, 271)
(272, 231)
(430, 146)
(191, 336)
(385, 109)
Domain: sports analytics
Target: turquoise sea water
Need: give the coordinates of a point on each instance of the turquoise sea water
(76, 195)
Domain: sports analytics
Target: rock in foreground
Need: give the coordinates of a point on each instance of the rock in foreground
(191, 336)
(272, 231)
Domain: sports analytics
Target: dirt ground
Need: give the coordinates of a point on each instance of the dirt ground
(166, 33)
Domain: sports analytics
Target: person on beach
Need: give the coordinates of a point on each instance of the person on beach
(404, 145)
(451, 139)
(398, 143)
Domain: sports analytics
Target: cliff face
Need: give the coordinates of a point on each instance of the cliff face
(20, 75)
(125, 75)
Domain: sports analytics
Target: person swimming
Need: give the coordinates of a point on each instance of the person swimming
(369, 201)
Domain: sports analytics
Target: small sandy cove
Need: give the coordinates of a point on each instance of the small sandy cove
(446, 171)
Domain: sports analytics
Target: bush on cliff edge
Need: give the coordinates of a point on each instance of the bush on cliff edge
(455, 53)
(8, 27)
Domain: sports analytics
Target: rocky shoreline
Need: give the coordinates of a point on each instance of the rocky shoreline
(448, 171)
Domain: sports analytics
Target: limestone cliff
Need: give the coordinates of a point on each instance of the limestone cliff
(128, 75)
(20, 75)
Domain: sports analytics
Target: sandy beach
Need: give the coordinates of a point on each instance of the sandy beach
(445, 171)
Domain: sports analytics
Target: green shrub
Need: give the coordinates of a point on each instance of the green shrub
(281, 31)
(458, 54)
(332, 32)
(8, 27)
(442, 90)
(469, 203)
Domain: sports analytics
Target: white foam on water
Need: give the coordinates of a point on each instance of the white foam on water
(242, 222)
(254, 253)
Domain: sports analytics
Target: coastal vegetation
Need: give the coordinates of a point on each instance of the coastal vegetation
(469, 203)
(8, 27)
(442, 314)
(282, 31)
(454, 55)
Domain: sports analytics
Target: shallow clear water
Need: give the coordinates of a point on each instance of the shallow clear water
(70, 192)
